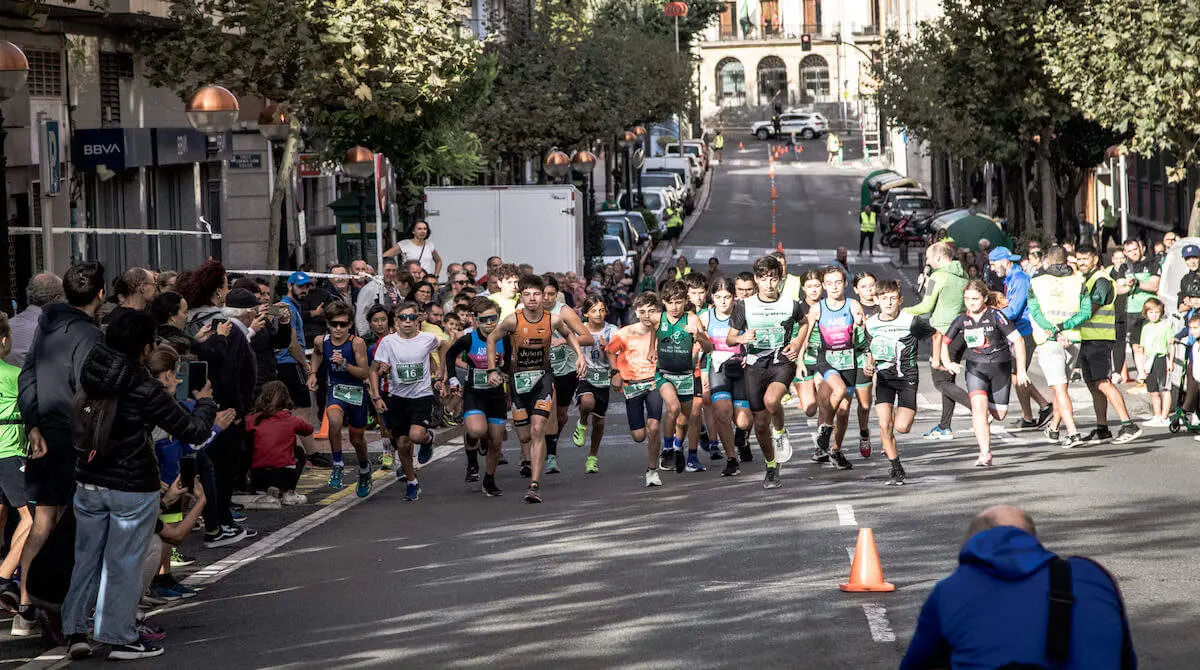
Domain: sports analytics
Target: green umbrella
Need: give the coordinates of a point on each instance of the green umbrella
(967, 231)
(866, 189)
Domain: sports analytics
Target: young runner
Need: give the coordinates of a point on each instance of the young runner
(805, 387)
(893, 337)
(404, 357)
(594, 388)
(631, 353)
(992, 340)
(382, 322)
(744, 287)
(727, 402)
(698, 433)
(347, 368)
(562, 365)
(678, 330)
(864, 291)
(531, 390)
(485, 407)
(765, 323)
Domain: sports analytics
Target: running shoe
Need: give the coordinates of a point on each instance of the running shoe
(1044, 415)
(489, 487)
(179, 587)
(533, 495)
(149, 633)
(693, 462)
(896, 478)
(1025, 424)
(239, 515)
(824, 435)
(666, 460)
(1097, 435)
(23, 627)
(580, 435)
(592, 466)
(771, 478)
(552, 464)
(938, 433)
(864, 447)
(335, 477)
(716, 451)
(744, 453)
(652, 478)
(1128, 432)
(291, 498)
(387, 461)
(984, 460)
(178, 560)
(503, 460)
(425, 452)
(412, 492)
(526, 469)
(1053, 435)
(783, 447)
(223, 537)
(840, 461)
(732, 468)
(365, 484)
(819, 455)
(10, 595)
(472, 473)
(78, 647)
(1072, 441)
(134, 651)
(680, 460)
(163, 591)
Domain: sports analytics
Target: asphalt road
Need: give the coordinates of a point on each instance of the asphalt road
(705, 572)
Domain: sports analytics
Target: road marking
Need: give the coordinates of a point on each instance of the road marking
(877, 621)
(704, 253)
(845, 512)
(378, 474)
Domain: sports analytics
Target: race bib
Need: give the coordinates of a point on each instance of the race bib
(638, 389)
(523, 382)
(598, 377)
(562, 361)
(884, 350)
(840, 359)
(410, 373)
(348, 393)
(479, 379)
(685, 384)
(974, 337)
(771, 337)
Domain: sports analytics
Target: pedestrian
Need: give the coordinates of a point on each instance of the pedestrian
(1055, 295)
(385, 291)
(1189, 285)
(718, 144)
(293, 365)
(833, 149)
(1012, 603)
(1108, 227)
(417, 248)
(44, 289)
(135, 289)
(445, 297)
(1170, 240)
(1138, 279)
(866, 229)
(942, 302)
(673, 220)
(1005, 264)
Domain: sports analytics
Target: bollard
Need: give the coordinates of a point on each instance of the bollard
(904, 254)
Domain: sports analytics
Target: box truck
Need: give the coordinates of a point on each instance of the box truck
(538, 225)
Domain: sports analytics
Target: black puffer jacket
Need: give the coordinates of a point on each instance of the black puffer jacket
(142, 403)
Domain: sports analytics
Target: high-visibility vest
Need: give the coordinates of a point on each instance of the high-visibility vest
(866, 221)
(719, 142)
(674, 220)
(1103, 324)
(679, 275)
(1058, 298)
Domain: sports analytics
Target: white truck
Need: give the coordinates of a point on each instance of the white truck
(538, 225)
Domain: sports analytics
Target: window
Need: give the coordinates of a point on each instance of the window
(772, 80)
(769, 11)
(45, 74)
(814, 79)
(728, 20)
(113, 68)
(612, 247)
(731, 82)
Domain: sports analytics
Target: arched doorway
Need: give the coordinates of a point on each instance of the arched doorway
(731, 83)
(772, 81)
(814, 79)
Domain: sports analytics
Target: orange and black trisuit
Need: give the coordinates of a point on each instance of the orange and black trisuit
(532, 387)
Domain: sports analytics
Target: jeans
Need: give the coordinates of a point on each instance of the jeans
(112, 531)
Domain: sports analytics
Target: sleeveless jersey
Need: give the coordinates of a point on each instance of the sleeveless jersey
(339, 374)
(598, 373)
(562, 357)
(836, 329)
(674, 345)
(717, 331)
(472, 348)
(530, 343)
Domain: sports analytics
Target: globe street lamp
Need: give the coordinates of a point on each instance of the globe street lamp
(273, 122)
(212, 110)
(359, 164)
(14, 68)
(556, 164)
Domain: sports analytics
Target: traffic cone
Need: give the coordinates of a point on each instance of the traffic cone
(740, 146)
(773, 208)
(774, 193)
(779, 248)
(866, 574)
(323, 432)
(772, 224)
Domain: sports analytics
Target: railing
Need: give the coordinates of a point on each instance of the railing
(768, 30)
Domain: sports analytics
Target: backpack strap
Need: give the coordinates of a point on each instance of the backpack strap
(1128, 658)
(1062, 603)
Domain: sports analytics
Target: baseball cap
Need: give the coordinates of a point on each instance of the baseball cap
(299, 279)
(1002, 254)
(1191, 251)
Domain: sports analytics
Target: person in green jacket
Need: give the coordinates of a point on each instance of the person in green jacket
(943, 302)
(13, 449)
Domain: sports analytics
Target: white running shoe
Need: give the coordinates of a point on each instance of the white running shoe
(783, 448)
(652, 478)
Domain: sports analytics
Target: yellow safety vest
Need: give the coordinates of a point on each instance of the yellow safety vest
(674, 220)
(719, 142)
(866, 222)
(679, 275)
(1058, 298)
(1103, 324)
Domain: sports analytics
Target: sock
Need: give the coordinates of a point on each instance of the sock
(693, 452)
(776, 431)
(473, 458)
(337, 459)
(704, 434)
(771, 464)
(27, 612)
(739, 437)
(489, 479)
(668, 443)
(1127, 422)
(676, 443)
(895, 462)
(551, 445)
(364, 468)
(864, 433)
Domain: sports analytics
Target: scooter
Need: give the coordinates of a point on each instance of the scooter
(903, 232)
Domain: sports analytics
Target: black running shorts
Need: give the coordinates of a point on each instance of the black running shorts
(1095, 360)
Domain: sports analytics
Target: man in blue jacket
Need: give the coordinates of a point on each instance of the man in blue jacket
(994, 611)
(1016, 292)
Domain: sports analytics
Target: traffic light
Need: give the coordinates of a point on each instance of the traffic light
(806, 42)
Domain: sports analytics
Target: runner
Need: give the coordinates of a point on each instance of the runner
(631, 353)
(765, 323)
(485, 406)
(835, 327)
(726, 392)
(805, 387)
(562, 365)
(593, 391)
(404, 356)
(698, 433)
(991, 342)
(864, 291)
(1054, 296)
(1005, 264)
(893, 337)
(678, 331)
(381, 322)
(532, 389)
(347, 366)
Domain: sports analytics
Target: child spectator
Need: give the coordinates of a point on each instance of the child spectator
(1154, 361)
(13, 449)
(278, 461)
(1191, 378)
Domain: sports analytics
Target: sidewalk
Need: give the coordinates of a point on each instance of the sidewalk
(661, 255)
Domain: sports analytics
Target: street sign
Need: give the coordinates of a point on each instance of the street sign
(51, 165)
(246, 162)
(309, 165)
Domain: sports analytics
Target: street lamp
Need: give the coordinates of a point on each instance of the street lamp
(273, 122)
(14, 68)
(626, 142)
(643, 141)
(583, 162)
(556, 164)
(359, 164)
(213, 109)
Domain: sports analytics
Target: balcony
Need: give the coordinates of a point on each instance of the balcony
(768, 31)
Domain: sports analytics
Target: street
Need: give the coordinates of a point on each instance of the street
(706, 572)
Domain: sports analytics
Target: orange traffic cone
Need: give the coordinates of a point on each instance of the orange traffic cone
(740, 146)
(866, 574)
(779, 247)
(323, 432)
(773, 208)
(774, 193)
(772, 225)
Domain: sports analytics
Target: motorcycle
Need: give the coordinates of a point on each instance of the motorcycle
(905, 231)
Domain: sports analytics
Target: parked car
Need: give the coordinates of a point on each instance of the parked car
(806, 125)
(901, 203)
(615, 250)
(678, 164)
(639, 224)
(672, 181)
(705, 154)
(652, 200)
(690, 148)
(617, 224)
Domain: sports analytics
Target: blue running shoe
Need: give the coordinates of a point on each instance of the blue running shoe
(412, 492)
(238, 515)
(425, 452)
(693, 462)
(937, 433)
(335, 477)
(365, 484)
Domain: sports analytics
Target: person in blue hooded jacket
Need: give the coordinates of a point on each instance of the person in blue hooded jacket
(994, 610)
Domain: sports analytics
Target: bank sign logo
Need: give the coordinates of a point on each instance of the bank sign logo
(101, 149)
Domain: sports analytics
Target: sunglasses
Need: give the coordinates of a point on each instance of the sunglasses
(339, 324)
(408, 317)
(488, 319)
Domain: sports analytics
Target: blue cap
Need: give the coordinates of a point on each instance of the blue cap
(1002, 254)
(1191, 251)
(299, 279)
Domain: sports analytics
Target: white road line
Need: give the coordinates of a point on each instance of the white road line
(845, 512)
(850, 554)
(877, 621)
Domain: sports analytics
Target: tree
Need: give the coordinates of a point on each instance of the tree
(1132, 65)
(335, 64)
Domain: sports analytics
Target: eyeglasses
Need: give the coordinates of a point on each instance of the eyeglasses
(459, 281)
(339, 324)
(408, 317)
(488, 319)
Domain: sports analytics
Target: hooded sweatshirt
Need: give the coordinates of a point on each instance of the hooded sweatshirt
(231, 364)
(943, 300)
(50, 376)
(995, 607)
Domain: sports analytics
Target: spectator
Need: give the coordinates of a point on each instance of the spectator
(434, 314)
(1016, 292)
(118, 495)
(420, 250)
(469, 268)
(325, 291)
(385, 292)
(44, 289)
(996, 609)
(293, 364)
(358, 269)
(381, 324)
(458, 280)
(135, 289)
(493, 264)
(166, 281)
(453, 269)
(278, 461)
(414, 270)
(714, 269)
(1138, 280)
(423, 294)
(170, 312)
(681, 268)
(1189, 285)
(1170, 240)
(13, 450)
(48, 383)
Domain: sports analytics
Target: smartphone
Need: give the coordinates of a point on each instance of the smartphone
(276, 310)
(187, 472)
(193, 376)
(216, 322)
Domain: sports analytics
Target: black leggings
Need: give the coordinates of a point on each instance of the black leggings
(1118, 354)
(284, 479)
(869, 238)
(944, 382)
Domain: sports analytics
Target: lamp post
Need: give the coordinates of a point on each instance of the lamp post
(359, 163)
(557, 164)
(583, 163)
(213, 110)
(625, 142)
(14, 68)
(643, 139)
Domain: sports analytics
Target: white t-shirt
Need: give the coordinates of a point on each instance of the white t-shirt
(409, 361)
(423, 255)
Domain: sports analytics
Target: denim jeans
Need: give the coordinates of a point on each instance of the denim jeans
(112, 531)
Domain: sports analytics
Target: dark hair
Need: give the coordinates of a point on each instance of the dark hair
(591, 301)
(810, 275)
(529, 281)
(695, 280)
(768, 266)
(428, 307)
(1085, 249)
(336, 308)
(981, 287)
(745, 276)
(404, 306)
(271, 400)
(506, 270)
(482, 304)
(646, 299)
(376, 309)
(412, 232)
(550, 281)
(887, 286)
(83, 283)
(721, 284)
(673, 290)
(130, 333)
(164, 306)
(5, 329)
(419, 285)
(863, 275)
(246, 283)
(200, 285)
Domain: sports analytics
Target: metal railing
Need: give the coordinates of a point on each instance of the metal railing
(765, 30)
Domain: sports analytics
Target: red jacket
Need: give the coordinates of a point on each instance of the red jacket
(275, 438)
